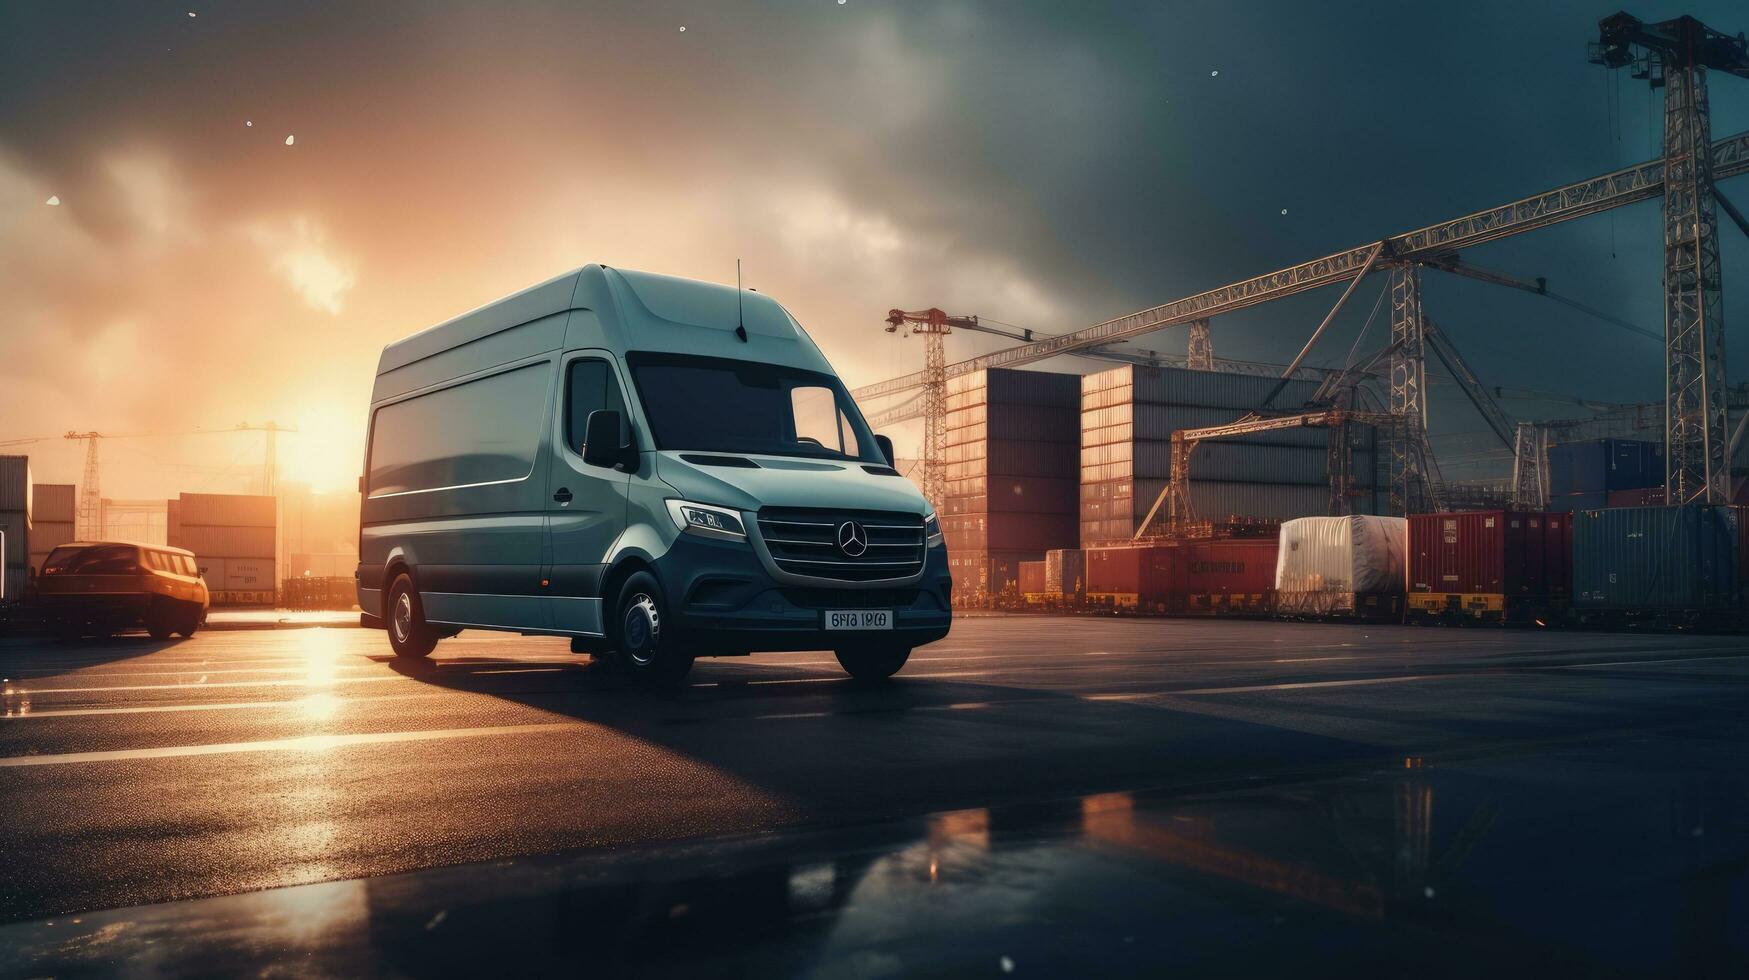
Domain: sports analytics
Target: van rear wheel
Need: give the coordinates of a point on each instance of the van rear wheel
(872, 665)
(409, 635)
(161, 619)
(649, 648)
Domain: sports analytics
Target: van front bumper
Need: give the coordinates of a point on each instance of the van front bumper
(725, 602)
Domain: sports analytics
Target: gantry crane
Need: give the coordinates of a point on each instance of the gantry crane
(1673, 54)
(88, 518)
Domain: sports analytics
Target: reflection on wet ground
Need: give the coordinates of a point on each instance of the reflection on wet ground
(1570, 859)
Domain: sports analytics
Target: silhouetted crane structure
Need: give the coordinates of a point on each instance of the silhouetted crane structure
(1674, 55)
(88, 517)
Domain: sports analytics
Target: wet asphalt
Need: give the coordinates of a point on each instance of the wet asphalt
(1032, 794)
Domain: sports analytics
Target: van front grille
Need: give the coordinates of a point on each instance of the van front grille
(805, 542)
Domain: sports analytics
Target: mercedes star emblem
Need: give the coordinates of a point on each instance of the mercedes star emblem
(852, 539)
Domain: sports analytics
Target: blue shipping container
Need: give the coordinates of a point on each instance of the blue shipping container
(1656, 559)
(1601, 465)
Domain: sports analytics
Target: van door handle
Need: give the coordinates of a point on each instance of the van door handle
(562, 495)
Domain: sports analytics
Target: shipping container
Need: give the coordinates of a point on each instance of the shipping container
(1492, 565)
(1130, 577)
(1572, 502)
(1675, 563)
(1640, 497)
(1011, 480)
(1342, 566)
(15, 485)
(1032, 578)
(227, 510)
(1066, 571)
(1601, 465)
(1223, 575)
(53, 502)
(226, 542)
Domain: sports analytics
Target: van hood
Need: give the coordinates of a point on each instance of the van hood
(786, 481)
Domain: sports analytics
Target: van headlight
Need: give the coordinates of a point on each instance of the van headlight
(931, 531)
(706, 520)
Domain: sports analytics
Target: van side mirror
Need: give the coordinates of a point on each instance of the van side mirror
(601, 439)
(885, 445)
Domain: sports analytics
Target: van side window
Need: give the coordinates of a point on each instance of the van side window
(590, 386)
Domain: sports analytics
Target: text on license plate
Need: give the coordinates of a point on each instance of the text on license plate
(859, 619)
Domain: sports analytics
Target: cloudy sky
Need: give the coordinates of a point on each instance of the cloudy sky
(252, 200)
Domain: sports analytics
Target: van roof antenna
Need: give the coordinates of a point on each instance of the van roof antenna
(740, 319)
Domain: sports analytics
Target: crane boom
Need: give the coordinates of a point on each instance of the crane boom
(1629, 185)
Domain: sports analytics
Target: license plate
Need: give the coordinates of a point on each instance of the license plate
(859, 619)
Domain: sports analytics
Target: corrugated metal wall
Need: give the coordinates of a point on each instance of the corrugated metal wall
(54, 507)
(15, 511)
(1128, 415)
(1010, 494)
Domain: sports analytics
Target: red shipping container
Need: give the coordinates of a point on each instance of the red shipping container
(1130, 572)
(1515, 555)
(1219, 566)
(1032, 577)
(1640, 497)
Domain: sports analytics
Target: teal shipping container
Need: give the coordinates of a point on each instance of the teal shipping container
(1657, 559)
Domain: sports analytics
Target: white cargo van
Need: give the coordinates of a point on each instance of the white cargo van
(657, 467)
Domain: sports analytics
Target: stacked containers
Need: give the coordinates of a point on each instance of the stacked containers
(1494, 565)
(53, 514)
(1066, 571)
(1009, 448)
(1341, 566)
(1128, 415)
(233, 540)
(1583, 474)
(15, 487)
(1657, 562)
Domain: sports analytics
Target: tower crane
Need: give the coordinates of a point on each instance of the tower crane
(88, 518)
(1675, 55)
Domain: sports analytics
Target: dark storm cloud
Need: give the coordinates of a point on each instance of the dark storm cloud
(1045, 164)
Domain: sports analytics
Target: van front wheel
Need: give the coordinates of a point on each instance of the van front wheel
(649, 649)
(873, 664)
(409, 635)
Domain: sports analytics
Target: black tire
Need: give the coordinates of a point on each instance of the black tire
(161, 620)
(404, 620)
(871, 665)
(648, 646)
(190, 620)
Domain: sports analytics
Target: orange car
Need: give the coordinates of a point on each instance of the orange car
(104, 587)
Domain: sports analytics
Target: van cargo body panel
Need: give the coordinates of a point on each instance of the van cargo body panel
(1489, 564)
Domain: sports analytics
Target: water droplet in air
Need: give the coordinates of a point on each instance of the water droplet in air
(1284, 210)
(54, 201)
(683, 28)
(288, 140)
(1007, 964)
(191, 13)
(249, 122)
(1215, 74)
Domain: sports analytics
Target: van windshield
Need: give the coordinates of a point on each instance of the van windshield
(712, 404)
